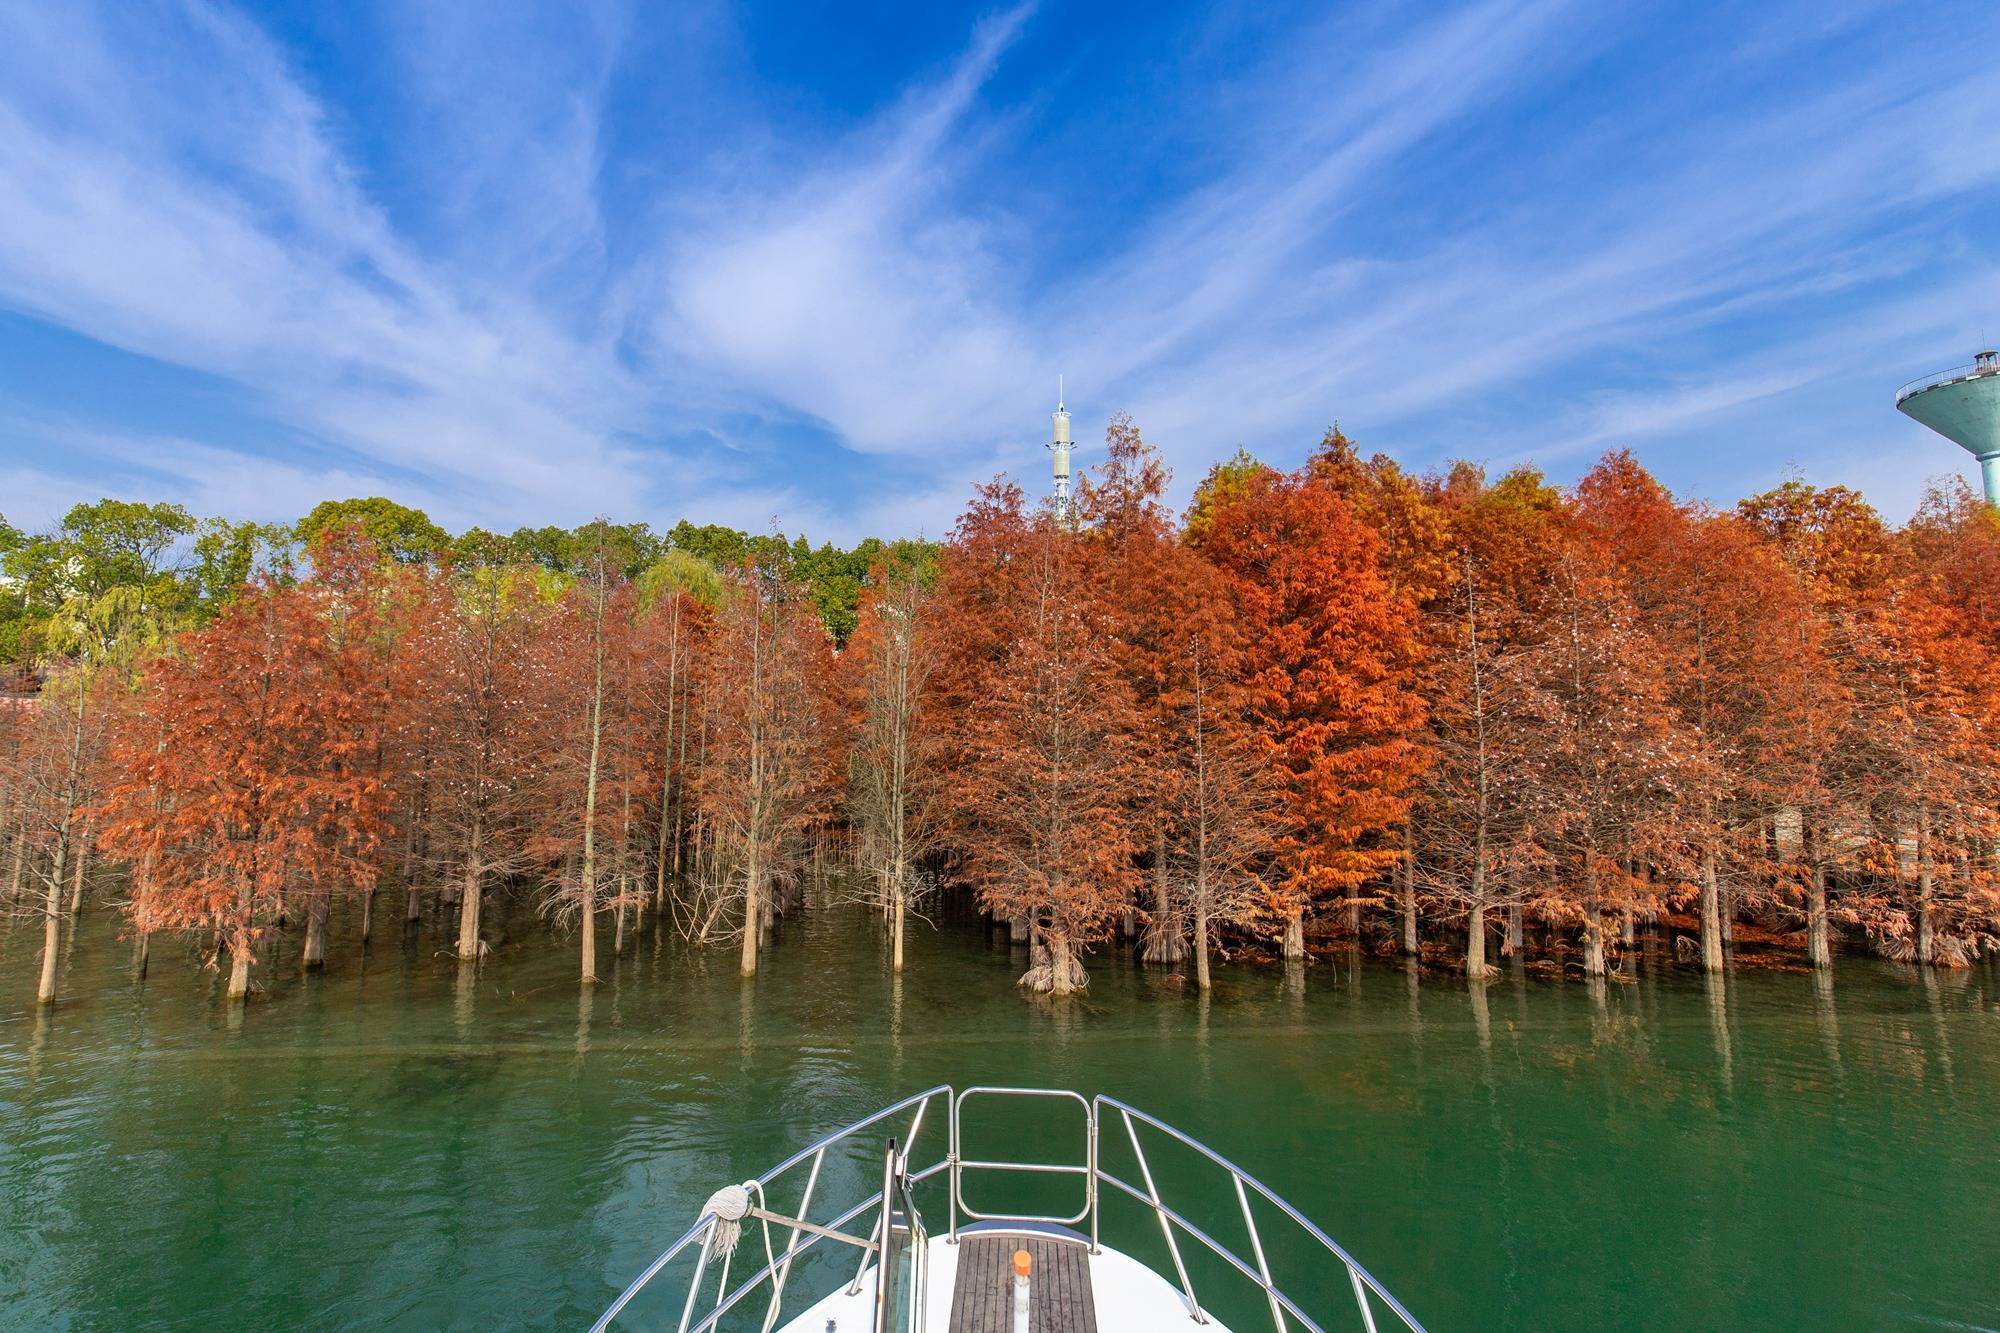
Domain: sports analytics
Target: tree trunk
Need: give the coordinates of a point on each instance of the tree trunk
(367, 915)
(52, 923)
(1593, 942)
(1511, 945)
(51, 944)
(82, 861)
(1062, 973)
(1294, 945)
(468, 915)
(1711, 915)
(753, 917)
(1406, 871)
(239, 971)
(899, 909)
(316, 911)
(141, 951)
(1165, 942)
(1926, 932)
(413, 907)
(1818, 948)
(1018, 928)
(1201, 976)
(587, 887)
(1476, 966)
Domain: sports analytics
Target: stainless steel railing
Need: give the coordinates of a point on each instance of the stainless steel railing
(1973, 371)
(1371, 1298)
(698, 1240)
(1361, 1281)
(960, 1164)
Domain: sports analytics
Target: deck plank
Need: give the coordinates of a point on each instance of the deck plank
(982, 1299)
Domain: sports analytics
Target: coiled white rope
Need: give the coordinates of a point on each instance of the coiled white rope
(729, 1206)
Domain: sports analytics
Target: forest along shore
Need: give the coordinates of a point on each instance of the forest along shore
(1457, 716)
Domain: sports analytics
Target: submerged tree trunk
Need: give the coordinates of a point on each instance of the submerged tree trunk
(1294, 945)
(899, 900)
(1819, 948)
(317, 907)
(1711, 915)
(468, 915)
(1926, 882)
(1165, 941)
(240, 946)
(1511, 944)
(753, 914)
(1061, 972)
(51, 938)
(1476, 966)
(1593, 941)
(52, 906)
(587, 886)
(1201, 975)
(1406, 871)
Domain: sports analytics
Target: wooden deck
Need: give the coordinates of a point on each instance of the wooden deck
(1060, 1301)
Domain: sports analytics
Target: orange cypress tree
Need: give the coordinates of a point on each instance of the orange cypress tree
(465, 672)
(896, 776)
(265, 788)
(773, 753)
(1476, 810)
(1330, 698)
(1712, 601)
(1153, 605)
(1839, 555)
(1605, 794)
(1042, 720)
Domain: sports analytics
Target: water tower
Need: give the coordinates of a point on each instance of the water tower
(1963, 405)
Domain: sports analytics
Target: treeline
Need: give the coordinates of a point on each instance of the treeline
(186, 569)
(1449, 712)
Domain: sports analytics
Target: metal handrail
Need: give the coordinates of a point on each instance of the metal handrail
(1088, 1170)
(703, 1228)
(1974, 371)
(805, 1234)
(1360, 1278)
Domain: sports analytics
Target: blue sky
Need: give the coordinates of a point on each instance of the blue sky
(821, 264)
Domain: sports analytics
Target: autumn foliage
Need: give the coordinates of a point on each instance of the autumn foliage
(1466, 717)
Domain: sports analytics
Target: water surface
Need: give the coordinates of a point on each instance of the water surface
(392, 1144)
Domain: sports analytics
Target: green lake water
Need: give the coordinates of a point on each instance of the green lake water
(395, 1145)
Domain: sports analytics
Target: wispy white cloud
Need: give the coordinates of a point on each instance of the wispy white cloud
(502, 317)
(272, 268)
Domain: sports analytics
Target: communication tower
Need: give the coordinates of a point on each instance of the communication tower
(1059, 457)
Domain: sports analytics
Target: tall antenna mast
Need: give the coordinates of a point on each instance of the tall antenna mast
(1059, 450)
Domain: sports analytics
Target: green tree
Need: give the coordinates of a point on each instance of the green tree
(403, 534)
(227, 555)
(684, 572)
(112, 544)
